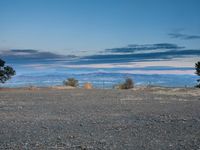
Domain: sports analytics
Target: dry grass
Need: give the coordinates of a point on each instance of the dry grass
(169, 91)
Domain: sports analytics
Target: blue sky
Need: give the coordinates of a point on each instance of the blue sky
(77, 25)
(155, 33)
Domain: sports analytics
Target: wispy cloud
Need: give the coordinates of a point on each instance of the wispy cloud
(136, 56)
(184, 36)
(146, 47)
(178, 63)
(141, 53)
(31, 56)
(166, 58)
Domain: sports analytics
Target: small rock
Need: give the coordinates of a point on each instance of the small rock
(82, 147)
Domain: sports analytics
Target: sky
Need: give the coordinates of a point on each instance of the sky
(145, 34)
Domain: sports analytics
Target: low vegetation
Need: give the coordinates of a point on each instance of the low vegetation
(87, 86)
(6, 72)
(197, 68)
(128, 84)
(71, 82)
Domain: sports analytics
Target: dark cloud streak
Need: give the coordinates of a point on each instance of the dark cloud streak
(145, 47)
(156, 56)
(184, 36)
(131, 53)
(31, 56)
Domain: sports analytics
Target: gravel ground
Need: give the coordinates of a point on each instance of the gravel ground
(100, 119)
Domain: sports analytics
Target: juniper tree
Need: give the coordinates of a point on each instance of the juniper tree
(6, 72)
(197, 67)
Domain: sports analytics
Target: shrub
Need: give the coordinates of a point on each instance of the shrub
(71, 82)
(6, 72)
(198, 85)
(87, 86)
(128, 84)
(197, 68)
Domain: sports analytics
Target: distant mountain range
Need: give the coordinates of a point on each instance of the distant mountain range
(103, 80)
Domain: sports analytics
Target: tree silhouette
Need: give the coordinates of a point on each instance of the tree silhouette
(197, 67)
(6, 72)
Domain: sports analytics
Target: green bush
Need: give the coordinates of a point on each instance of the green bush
(6, 72)
(71, 82)
(128, 84)
(197, 68)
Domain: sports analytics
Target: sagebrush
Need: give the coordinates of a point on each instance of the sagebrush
(128, 84)
(71, 82)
